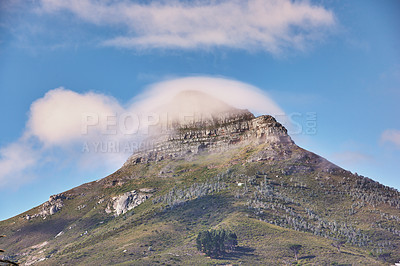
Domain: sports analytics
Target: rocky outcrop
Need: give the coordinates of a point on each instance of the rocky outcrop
(50, 207)
(220, 133)
(126, 202)
(53, 205)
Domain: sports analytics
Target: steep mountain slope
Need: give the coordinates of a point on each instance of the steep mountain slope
(233, 171)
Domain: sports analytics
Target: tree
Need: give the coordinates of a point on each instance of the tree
(231, 241)
(295, 248)
(204, 242)
(214, 243)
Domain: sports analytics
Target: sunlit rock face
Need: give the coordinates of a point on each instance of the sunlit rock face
(195, 122)
(50, 207)
(126, 202)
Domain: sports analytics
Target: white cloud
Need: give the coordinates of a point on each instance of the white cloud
(55, 124)
(14, 160)
(269, 25)
(391, 136)
(160, 98)
(56, 119)
(232, 92)
(63, 117)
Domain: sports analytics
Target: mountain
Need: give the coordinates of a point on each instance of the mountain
(223, 168)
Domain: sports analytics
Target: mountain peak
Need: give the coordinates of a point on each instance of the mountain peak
(256, 181)
(221, 132)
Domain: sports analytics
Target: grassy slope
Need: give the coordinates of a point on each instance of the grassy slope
(92, 237)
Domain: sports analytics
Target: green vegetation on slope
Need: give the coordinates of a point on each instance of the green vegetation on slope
(270, 205)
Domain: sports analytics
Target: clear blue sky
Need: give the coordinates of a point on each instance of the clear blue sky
(337, 59)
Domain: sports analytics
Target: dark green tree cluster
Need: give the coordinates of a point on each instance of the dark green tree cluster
(215, 243)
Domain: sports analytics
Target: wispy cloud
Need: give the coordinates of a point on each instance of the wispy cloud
(392, 137)
(269, 25)
(14, 160)
(351, 158)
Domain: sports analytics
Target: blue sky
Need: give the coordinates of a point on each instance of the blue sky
(339, 60)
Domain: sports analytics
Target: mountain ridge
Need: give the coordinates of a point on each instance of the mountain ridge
(235, 171)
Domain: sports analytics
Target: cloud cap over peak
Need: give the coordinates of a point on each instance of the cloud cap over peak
(268, 25)
(58, 123)
(227, 91)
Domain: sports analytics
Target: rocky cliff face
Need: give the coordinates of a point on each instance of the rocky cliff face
(216, 133)
(126, 202)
